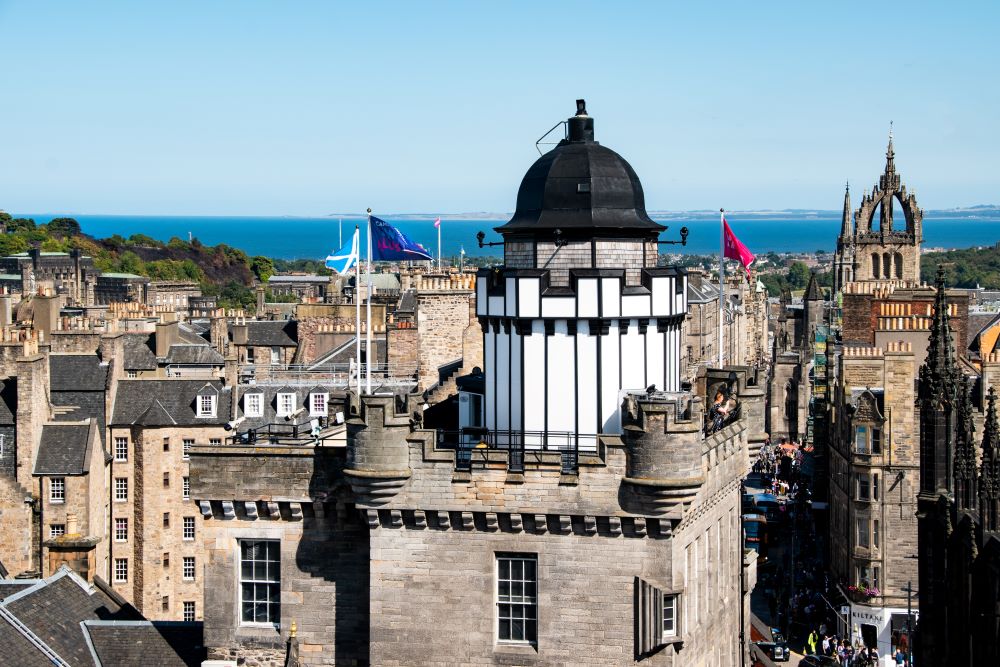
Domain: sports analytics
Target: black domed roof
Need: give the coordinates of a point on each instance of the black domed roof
(581, 187)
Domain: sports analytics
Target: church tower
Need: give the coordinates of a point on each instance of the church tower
(580, 312)
(891, 252)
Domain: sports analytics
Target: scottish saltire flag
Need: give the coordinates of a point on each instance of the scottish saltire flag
(388, 243)
(735, 249)
(346, 258)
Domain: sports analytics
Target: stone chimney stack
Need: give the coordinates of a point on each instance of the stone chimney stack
(260, 302)
(218, 332)
(167, 334)
(46, 315)
(6, 310)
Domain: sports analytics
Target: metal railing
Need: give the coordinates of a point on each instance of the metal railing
(285, 434)
(469, 441)
(336, 374)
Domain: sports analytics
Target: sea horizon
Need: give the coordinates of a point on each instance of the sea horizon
(312, 237)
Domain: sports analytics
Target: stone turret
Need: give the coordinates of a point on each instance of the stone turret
(663, 439)
(378, 458)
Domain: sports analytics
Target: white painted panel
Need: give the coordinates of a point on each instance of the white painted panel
(558, 306)
(511, 296)
(515, 382)
(496, 306)
(633, 366)
(562, 381)
(528, 297)
(491, 377)
(534, 381)
(586, 293)
(586, 380)
(610, 295)
(636, 305)
(503, 380)
(674, 357)
(609, 381)
(654, 357)
(662, 296)
(481, 303)
(680, 300)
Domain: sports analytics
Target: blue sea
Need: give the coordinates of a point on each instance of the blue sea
(313, 238)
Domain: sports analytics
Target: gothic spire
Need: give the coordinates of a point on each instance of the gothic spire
(989, 477)
(965, 473)
(939, 373)
(890, 155)
(846, 226)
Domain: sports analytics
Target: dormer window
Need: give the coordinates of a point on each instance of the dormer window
(206, 402)
(253, 405)
(318, 403)
(286, 404)
(206, 406)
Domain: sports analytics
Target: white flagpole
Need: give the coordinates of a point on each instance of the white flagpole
(368, 307)
(357, 306)
(722, 277)
(439, 244)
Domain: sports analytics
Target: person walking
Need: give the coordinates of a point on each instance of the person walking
(812, 641)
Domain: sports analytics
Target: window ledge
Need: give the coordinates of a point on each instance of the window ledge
(515, 653)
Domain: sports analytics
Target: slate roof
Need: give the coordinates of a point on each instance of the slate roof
(139, 355)
(10, 586)
(8, 401)
(129, 643)
(194, 355)
(77, 372)
(53, 609)
(79, 405)
(166, 403)
(267, 333)
(18, 650)
(63, 449)
(702, 293)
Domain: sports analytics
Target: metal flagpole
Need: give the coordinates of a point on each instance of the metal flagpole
(357, 305)
(368, 307)
(439, 244)
(340, 226)
(722, 276)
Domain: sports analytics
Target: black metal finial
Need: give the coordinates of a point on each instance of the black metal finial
(581, 107)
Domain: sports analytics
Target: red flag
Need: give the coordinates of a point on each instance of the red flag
(734, 249)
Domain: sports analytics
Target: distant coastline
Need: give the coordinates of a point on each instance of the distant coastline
(982, 212)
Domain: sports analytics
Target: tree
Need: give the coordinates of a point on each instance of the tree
(798, 275)
(262, 267)
(11, 244)
(129, 262)
(63, 227)
(21, 225)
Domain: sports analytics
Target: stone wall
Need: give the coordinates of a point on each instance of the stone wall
(403, 346)
(442, 319)
(16, 527)
(324, 553)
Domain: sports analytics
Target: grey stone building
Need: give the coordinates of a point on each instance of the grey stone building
(582, 514)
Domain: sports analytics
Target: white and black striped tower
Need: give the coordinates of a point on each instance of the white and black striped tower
(579, 313)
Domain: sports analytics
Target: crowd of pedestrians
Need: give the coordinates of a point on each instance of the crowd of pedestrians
(796, 584)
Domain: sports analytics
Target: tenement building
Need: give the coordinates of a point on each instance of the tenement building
(575, 510)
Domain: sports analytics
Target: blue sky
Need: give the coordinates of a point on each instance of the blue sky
(306, 108)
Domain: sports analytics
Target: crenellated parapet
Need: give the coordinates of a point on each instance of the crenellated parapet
(377, 448)
(663, 437)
